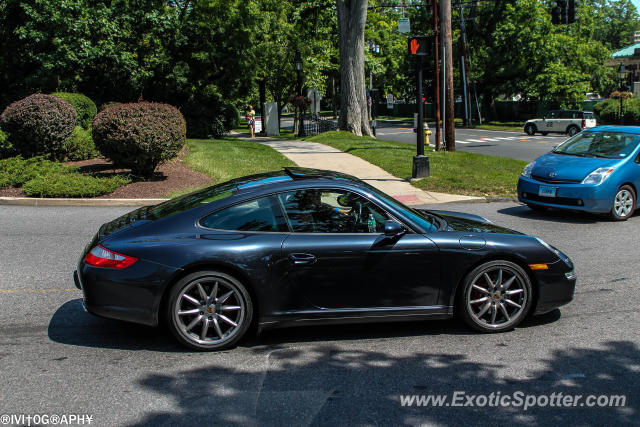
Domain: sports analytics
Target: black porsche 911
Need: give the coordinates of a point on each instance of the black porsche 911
(305, 246)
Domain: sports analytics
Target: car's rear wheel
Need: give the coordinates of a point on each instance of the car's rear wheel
(209, 310)
(573, 130)
(530, 129)
(495, 297)
(624, 203)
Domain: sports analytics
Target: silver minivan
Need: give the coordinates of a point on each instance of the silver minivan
(568, 122)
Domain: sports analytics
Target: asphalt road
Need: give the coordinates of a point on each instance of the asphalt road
(56, 359)
(516, 145)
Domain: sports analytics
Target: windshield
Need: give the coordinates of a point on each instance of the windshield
(612, 145)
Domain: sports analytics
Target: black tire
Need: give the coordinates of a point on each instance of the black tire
(537, 208)
(530, 129)
(219, 315)
(572, 130)
(624, 204)
(471, 297)
(544, 133)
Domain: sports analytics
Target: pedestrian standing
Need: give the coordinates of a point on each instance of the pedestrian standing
(251, 119)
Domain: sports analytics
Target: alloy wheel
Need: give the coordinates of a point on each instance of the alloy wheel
(497, 298)
(623, 203)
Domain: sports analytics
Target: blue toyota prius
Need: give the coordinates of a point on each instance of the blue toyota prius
(597, 170)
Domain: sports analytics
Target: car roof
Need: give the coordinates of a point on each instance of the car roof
(613, 128)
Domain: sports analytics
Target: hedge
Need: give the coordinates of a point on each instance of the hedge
(72, 185)
(85, 108)
(79, 146)
(139, 136)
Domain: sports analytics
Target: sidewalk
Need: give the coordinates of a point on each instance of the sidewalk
(319, 156)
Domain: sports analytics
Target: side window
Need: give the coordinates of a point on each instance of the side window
(256, 215)
(551, 115)
(331, 211)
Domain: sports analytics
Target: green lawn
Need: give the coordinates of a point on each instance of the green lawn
(228, 158)
(458, 172)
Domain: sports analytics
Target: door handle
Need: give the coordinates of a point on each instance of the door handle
(299, 258)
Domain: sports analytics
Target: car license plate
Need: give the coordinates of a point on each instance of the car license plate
(547, 191)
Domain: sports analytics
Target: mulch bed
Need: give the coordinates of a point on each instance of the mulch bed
(168, 178)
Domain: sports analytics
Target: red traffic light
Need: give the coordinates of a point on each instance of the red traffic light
(419, 46)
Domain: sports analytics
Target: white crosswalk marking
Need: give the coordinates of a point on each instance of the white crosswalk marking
(489, 139)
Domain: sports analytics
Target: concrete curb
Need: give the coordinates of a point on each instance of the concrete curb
(35, 201)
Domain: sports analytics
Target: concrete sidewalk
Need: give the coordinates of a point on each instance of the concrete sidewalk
(319, 156)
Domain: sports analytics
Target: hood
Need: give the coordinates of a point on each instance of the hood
(568, 168)
(468, 223)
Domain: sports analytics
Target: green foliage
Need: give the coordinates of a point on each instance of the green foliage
(80, 145)
(609, 110)
(209, 118)
(15, 171)
(72, 185)
(139, 136)
(6, 148)
(85, 108)
(39, 125)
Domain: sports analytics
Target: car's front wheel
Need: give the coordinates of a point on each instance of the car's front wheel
(209, 310)
(624, 203)
(530, 129)
(495, 297)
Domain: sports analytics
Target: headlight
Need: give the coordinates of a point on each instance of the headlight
(598, 176)
(558, 253)
(526, 172)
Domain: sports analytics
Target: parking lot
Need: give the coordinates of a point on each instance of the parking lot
(56, 359)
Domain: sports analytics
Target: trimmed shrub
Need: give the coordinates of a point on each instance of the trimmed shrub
(207, 118)
(609, 110)
(85, 108)
(39, 125)
(80, 146)
(231, 116)
(6, 149)
(73, 185)
(139, 136)
(15, 171)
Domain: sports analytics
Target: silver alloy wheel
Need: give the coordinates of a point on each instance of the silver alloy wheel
(210, 310)
(623, 203)
(497, 297)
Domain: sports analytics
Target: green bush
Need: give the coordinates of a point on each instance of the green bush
(16, 171)
(231, 116)
(609, 111)
(208, 118)
(72, 185)
(85, 108)
(139, 136)
(6, 149)
(80, 146)
(39, 125)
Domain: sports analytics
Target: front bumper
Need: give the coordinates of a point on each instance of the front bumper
(555, 287)
(132, 294)
(588, 198)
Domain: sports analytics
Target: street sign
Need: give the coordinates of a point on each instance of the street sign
(403, 25)
(390, 101)
(419, 46)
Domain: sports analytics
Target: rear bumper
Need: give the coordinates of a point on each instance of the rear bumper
(132, 294)
(587, 198)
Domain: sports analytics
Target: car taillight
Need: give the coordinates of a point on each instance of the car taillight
(103, 257)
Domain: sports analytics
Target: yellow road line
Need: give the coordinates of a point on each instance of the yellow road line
(34, 291)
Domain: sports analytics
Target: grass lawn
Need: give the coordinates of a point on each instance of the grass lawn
(458, 172)
(228, 158)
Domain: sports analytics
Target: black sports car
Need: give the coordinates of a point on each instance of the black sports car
(303, 246)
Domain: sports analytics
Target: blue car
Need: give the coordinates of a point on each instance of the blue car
(597, 170)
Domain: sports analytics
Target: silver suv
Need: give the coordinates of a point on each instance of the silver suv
(561, 121)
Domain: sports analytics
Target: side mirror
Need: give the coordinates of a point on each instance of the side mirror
(394, 229)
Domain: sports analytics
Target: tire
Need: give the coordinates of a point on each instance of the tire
(482, 302)
(206, 320)
(530, 129)
(572, 130)
(537, 208)
(544, 133)
(624, 204)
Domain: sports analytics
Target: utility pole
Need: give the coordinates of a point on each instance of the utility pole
(466, 69)
(447, 56)
(436, 36)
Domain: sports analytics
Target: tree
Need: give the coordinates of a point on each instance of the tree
(352, 17)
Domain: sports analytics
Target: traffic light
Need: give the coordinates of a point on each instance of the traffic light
(419, 46)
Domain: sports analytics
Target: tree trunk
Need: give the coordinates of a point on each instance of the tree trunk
(352, 17)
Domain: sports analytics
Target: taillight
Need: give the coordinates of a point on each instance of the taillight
(103, 257)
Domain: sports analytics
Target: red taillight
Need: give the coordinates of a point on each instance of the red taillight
(584, 123)
(103, 257)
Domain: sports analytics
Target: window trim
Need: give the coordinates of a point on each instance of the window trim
(199, 223)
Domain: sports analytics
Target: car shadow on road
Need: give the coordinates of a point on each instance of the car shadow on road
(339, 385)
(553, 215)
(70, 325)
